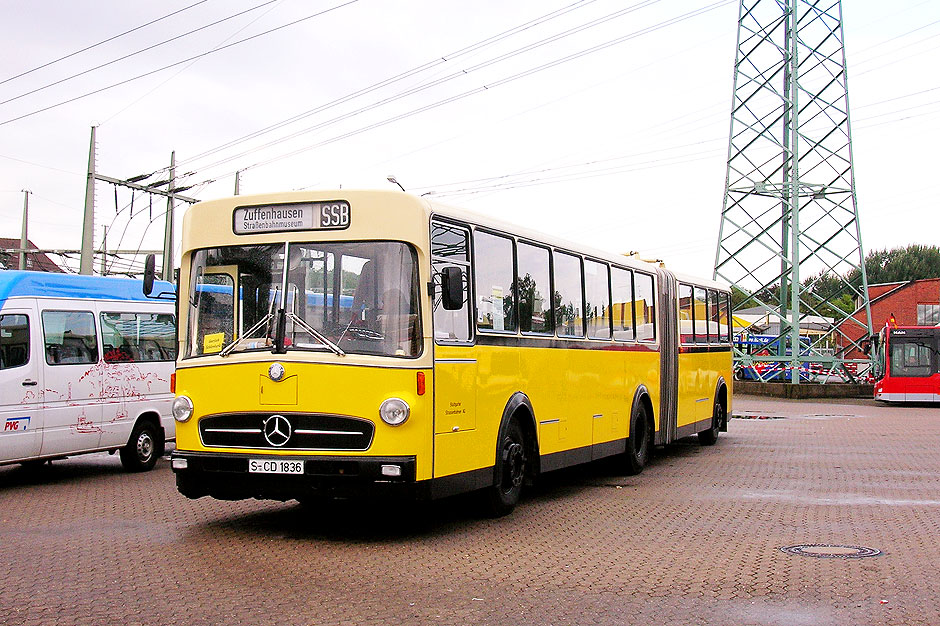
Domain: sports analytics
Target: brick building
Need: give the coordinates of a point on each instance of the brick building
(911, 303)
(37, 261)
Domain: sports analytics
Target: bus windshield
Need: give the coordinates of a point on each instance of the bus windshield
(345, 298)
(912, 357)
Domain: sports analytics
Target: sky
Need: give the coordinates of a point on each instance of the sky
(602, 121)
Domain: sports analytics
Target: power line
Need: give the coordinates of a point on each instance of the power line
(109, 39)
(183, 69)
(166, 67)
(445, 58)
(460, 96)
(141, 51)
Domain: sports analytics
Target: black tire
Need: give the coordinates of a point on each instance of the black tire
(710, 437)
(142, 449)
(639, 442)
(34, 465)
(503, 496)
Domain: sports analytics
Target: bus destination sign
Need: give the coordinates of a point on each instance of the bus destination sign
(331, 215)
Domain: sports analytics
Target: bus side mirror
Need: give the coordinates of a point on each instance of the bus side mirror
(150, 268)
(452, 288)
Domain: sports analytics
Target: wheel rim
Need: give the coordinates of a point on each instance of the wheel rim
(145, 447)
(513, 464)
(719, 417)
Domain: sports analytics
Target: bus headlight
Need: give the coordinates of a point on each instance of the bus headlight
(394, 411)
(182, 408)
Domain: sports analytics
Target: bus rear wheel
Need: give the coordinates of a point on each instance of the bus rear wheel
(141, 452)
(638, 443)
(503, 496)
(710, 437)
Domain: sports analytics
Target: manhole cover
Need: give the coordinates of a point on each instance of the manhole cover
(828, 551)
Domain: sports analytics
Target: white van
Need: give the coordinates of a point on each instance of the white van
(85, 366)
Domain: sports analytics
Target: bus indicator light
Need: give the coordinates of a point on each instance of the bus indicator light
(421, 387)
(391, 470)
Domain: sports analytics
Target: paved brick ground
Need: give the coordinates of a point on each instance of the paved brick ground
(695, 539)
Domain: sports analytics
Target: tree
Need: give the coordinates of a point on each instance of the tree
(915, 262)
(828, 294)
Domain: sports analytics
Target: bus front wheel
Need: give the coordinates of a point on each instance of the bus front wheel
(503, 496)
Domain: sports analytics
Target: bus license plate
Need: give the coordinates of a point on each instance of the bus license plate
(273, 466)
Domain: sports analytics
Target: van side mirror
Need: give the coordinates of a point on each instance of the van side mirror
(452, 288)
(150, 269)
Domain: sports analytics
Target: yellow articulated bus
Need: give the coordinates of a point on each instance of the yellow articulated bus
(370, 343)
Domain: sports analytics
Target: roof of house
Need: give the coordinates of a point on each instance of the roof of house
(37, 261)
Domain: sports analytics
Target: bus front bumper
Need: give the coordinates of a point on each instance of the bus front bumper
(226, 476)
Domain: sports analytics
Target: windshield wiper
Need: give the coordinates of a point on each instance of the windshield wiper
(231, 346)
(335, 349)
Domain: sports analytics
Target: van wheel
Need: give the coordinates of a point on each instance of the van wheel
(34, 465)
(141, 452)
(710, 436)
(637, 454)
(503, 496)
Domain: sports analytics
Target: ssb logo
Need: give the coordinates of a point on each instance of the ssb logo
(16, 424)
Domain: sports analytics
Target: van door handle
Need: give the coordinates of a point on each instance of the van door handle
(30, 383)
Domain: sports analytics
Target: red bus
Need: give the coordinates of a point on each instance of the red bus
(908, 363)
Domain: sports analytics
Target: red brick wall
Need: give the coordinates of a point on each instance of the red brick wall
(902, 303)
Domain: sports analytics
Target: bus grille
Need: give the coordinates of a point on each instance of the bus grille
(286, 431)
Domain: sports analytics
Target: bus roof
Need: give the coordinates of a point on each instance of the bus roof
(212, 214)
(17, 283)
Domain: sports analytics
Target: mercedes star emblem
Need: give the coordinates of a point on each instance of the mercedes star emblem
(277, 430)
(276, 372)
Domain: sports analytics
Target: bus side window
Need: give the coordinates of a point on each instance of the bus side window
(14, 341)
(686, 310)
(625, 304)
(569, 304)
(450, 247)
(645, 307)
(597, 293)
(494, 264)
(533, 282)
(700, 314)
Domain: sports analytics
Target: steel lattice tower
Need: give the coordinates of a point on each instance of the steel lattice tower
(789, 237)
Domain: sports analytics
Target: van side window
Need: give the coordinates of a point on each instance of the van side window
(69, 337)
(14, 341)
(133, 337)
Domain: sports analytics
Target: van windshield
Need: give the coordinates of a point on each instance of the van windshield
(350, 297)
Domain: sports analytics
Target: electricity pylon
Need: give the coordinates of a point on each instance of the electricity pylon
(789, 241)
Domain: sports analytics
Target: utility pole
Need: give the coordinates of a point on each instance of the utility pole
(237, 179)
(104, 250)
(172, 193)
(789, 224)
(24, 238)
(88, 224)
(168, 231)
